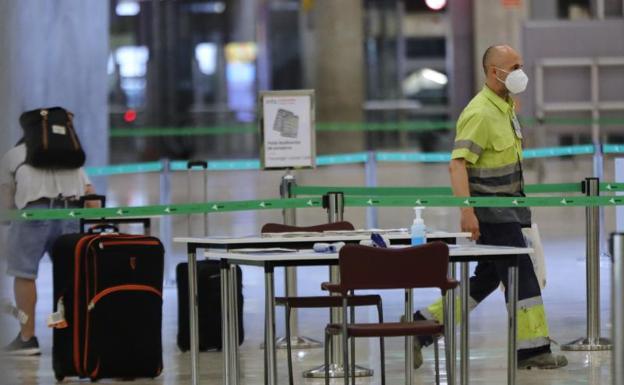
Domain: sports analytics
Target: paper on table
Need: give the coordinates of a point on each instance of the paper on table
(365, 231)
(292, 234)
(269, 250)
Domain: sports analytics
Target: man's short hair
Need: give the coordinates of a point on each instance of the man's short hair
(487, 55)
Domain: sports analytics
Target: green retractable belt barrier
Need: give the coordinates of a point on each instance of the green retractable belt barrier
(613, 148)
(547, 188)
(338, 159)
(160, 210)
(134, 168)
(352, 201)
(409, 126)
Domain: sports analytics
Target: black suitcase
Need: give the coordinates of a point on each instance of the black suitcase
(209, 303)
(110, 287)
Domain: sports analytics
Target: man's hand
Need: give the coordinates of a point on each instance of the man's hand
(470, 223)
(91, 204)
(459, 183)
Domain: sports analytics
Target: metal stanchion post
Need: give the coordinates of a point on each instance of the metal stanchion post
(512, 299)
(370, 171)
(334, 203)
(617, 309)
(189, 192)
(233, 325)
(193, 313)
(165, 221)
(225, 324)
(290, 276)
(591, 187)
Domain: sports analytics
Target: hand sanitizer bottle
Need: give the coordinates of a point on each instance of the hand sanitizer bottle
(418, 228)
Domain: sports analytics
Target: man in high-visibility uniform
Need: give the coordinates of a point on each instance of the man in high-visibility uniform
(487, 161)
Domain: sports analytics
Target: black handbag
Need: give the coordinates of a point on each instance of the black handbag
(50, 138)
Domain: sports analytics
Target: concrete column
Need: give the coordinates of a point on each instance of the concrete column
(308, 46)
(338, 27)
(55, 53)
(495, 24)
(460, 58)
(243, 20)
(262, 38)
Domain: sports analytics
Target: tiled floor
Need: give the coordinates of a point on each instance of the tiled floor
(562, 231)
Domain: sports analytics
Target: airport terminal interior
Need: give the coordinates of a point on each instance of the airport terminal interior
(153, 84)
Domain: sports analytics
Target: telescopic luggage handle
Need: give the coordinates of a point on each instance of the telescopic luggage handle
(102, 228)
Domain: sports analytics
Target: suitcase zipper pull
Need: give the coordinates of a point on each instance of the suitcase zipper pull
(91, 306)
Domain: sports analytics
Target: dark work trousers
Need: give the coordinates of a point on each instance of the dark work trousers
(489, 274)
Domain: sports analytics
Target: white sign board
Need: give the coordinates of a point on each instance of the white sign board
(287, 129)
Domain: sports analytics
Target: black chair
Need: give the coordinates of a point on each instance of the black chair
(369, 268)
(324, 301)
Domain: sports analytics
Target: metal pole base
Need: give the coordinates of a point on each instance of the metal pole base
(584, 344)
(336, 371)
(296, 343)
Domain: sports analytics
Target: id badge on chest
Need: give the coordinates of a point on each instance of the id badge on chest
(516, 126)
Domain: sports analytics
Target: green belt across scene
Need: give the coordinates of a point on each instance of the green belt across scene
(443, 190)
(408, 126)
(271, 204)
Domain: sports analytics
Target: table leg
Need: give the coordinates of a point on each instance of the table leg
(464, 347)
(451, 336)
(269, 341)
(512, 297)
(409, 340)
(233, 325)
(193, 313)
(225, 329)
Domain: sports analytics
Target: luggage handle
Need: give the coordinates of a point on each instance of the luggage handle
(195, 163)
(103, 227)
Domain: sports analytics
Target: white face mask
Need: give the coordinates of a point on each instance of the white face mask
(516, 81)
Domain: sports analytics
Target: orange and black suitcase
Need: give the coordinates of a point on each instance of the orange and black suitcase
(107, 306)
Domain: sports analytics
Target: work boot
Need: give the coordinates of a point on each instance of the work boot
(417, 351)
(543, 361)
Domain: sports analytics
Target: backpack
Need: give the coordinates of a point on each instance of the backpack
(50, 138)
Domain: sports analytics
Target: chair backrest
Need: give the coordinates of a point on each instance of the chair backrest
(364, 267)
(280, 228)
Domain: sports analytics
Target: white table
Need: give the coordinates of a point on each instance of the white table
(459, 254)
(226, 253)
(228, 286)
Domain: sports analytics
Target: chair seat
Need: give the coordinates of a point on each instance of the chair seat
(327, 301)
(390, 329)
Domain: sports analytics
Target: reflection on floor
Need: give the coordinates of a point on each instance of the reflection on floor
(564, 298)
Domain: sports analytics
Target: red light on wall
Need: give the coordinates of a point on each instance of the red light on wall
(130, 116)
(436, 5)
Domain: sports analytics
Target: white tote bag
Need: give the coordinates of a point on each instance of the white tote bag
(534, 241)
